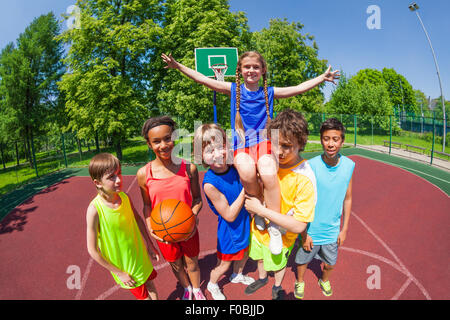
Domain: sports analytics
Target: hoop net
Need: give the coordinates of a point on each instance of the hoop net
(219, 71)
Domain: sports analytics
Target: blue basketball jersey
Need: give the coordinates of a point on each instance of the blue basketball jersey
(332, 184)
(231, 236)
(253, 114)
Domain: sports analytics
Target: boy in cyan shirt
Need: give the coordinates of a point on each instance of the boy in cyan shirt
(334, 174)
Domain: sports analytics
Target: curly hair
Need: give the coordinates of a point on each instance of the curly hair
(291, 125)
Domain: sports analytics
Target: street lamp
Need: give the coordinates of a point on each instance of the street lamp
(414, 7)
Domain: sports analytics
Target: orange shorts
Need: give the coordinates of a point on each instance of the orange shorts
(141, 292)
(174, 251)
(232, 256)
(256, 151)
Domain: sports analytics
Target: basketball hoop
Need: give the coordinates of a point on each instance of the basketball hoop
(219, 71)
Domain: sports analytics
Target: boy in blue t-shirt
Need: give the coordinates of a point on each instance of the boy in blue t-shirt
(333, 173)
(225, 196)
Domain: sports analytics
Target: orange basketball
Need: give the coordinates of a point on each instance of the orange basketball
(172, 220)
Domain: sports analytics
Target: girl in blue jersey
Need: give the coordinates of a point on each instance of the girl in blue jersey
(225, 196)
(251, 110)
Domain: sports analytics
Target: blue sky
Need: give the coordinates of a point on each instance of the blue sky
(340, 30)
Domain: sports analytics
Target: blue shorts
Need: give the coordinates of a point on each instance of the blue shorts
(326, 253)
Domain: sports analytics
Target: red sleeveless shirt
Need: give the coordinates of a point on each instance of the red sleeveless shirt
(175, 187)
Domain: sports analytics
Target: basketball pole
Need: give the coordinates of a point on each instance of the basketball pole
(215, 108)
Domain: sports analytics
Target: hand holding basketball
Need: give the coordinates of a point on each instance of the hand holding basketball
(172, 221)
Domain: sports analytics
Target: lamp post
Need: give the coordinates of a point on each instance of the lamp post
(414, 7)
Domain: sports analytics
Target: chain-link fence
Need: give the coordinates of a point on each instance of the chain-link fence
(22, 161)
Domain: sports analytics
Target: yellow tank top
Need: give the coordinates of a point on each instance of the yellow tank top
(120, 240)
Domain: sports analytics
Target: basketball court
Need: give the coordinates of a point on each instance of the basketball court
(396, 246)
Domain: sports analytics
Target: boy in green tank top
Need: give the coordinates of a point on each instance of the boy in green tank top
(115, 231)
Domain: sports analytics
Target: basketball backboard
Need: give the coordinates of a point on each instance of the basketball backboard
(206, 57)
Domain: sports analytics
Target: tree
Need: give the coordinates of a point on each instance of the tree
(190, 24)
(28, 78)
(365, 99)
(291, 59)
(401, 93)
(106, 88)
(400, 90)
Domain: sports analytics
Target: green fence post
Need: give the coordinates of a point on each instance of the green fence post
(390, 133)
(432, 142)
(355, 122)
(64, 149)
(34, 157)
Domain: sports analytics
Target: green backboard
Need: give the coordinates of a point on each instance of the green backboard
(206, 57)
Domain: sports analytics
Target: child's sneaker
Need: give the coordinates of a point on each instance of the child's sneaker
(198, 294)
(326, 287)
(260, 223)
(187, 295)
(299, 290)
(258, 284)
(277, 293)
(240, 278)
(215, 291)
(276, 243)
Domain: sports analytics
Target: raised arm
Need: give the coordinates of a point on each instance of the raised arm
(286, 92)
(219, 86)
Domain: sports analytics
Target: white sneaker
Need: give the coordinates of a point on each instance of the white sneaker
(260, 223)
(276, 243)
(215, 291)
(240, 278)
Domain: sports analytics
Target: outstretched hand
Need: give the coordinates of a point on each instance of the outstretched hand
(171, 62)
(330, 76)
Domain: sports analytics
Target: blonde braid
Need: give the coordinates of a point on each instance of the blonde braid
(238, 125)
(266, 97)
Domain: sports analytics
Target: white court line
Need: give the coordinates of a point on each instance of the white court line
(88, 268)
(409, 171)
(375, 256)
(111, 290)
(406, 271)
(403, 288)
(85, 277)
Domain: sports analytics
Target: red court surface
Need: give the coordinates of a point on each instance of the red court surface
(397, 246)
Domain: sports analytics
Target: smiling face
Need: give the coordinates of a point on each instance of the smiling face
(252, 70)
(160, 141)
(331, 142)
(215, 155)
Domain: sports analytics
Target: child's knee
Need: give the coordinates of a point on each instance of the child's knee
(192, 265)
(244, 164)
(267, 167)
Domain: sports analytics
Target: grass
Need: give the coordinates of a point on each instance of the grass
(136, 153)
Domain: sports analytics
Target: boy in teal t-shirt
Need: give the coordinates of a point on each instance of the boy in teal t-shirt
(333, 173)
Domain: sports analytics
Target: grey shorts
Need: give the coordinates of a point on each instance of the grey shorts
(327, 253)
